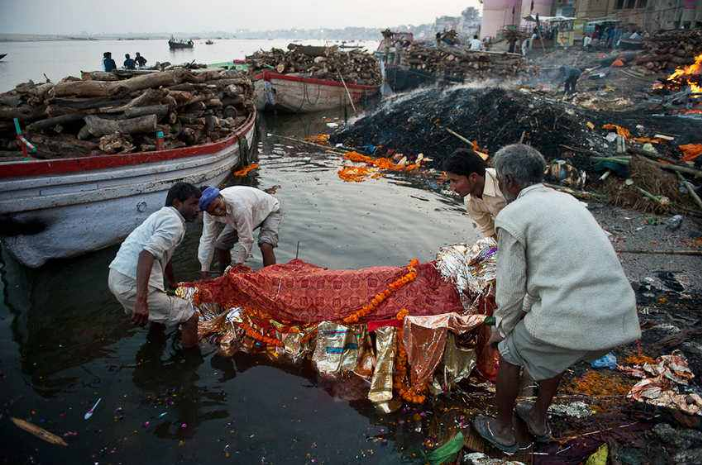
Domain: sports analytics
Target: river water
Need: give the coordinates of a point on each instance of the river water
(58, 59)
(65, 341)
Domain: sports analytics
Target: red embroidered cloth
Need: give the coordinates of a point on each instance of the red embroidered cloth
(299, 292)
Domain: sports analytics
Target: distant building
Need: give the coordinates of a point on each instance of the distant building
(498, 14)
(648, 15)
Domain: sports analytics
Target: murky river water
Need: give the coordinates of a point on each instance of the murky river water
(65, 342)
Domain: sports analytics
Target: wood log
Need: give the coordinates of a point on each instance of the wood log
(149, 81)
(49, 123)
(191, 119)
(195, 107)
(146, 98)
(82, 89)
(23, 113)
(160, 111)
(98, 76)
(87, 103)
(100, 126)
(10, 100)
(60, 145)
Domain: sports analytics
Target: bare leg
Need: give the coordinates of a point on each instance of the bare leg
(224, 259)
(188, 332)
(157, 332)
(538, 415)
(268, 254)
(507, 388)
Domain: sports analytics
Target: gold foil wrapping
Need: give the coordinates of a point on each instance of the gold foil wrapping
(338, 348)
(381, 383)
(456, 365)
(425, 340)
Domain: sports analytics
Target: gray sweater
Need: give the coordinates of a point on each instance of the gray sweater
(582, 299)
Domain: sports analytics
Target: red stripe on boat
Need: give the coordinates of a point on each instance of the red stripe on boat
(103, 162)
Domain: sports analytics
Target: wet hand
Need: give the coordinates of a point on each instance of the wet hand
(141, 313)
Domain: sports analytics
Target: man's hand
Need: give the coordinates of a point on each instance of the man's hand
(495, 338)
(141, 312)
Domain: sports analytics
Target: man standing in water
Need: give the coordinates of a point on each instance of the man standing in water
(230, 217)
(470, 178)
(137, 272)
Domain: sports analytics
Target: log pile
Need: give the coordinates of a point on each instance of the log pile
(118, 113)
(671, 49)
(461, 63)
(355, 66)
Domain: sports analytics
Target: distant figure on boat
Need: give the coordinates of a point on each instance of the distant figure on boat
(129, 63)
(108, 63)
(140, 60)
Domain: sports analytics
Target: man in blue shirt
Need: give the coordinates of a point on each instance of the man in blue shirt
(108, 63)
(129, 63)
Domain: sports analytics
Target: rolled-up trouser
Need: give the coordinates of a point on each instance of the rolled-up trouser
(163, 308)
(541, 359)
(268, 233)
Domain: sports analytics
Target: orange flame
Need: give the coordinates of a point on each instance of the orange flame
(686, 75)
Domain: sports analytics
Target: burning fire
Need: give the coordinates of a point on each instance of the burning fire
(685, 76)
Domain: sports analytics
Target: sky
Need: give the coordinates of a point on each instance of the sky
(140, 16)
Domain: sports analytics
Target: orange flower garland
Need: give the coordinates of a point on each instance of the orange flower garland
(246, 170)
(408, 393)
(253, 334)
(380, 297)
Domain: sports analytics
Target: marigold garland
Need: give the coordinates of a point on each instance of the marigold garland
(382, 296)
(408, 393)
(246, 170)
(253, 334)
(359, 174)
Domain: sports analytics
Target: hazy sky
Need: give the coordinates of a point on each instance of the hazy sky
(96, 16)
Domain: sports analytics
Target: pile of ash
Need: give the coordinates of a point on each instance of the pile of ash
(493, 117)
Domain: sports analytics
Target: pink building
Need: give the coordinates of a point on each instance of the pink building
(500, 13)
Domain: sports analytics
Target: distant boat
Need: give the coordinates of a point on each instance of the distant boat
(2, 55)
(180, 44)
(209, 42)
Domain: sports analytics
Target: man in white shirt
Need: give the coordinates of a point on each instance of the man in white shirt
(470, 178)
(230, 217)
(551, 251)
(137, 273)
(476, 44)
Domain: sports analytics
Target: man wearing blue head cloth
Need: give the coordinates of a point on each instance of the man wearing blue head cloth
(229, 219)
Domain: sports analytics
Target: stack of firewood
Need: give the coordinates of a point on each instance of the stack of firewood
(123, 112)
(355, 67)
(671, 49)
(459, 62)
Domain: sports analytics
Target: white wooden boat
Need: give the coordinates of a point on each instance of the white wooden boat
(299, 94)
(71, 206)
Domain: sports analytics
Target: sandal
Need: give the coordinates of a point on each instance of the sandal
(522, 410)
(481, 423)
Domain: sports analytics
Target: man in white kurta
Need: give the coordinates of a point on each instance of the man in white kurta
(230, 218)
(143, 261)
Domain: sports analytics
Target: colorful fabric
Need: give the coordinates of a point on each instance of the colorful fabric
(299, 292)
